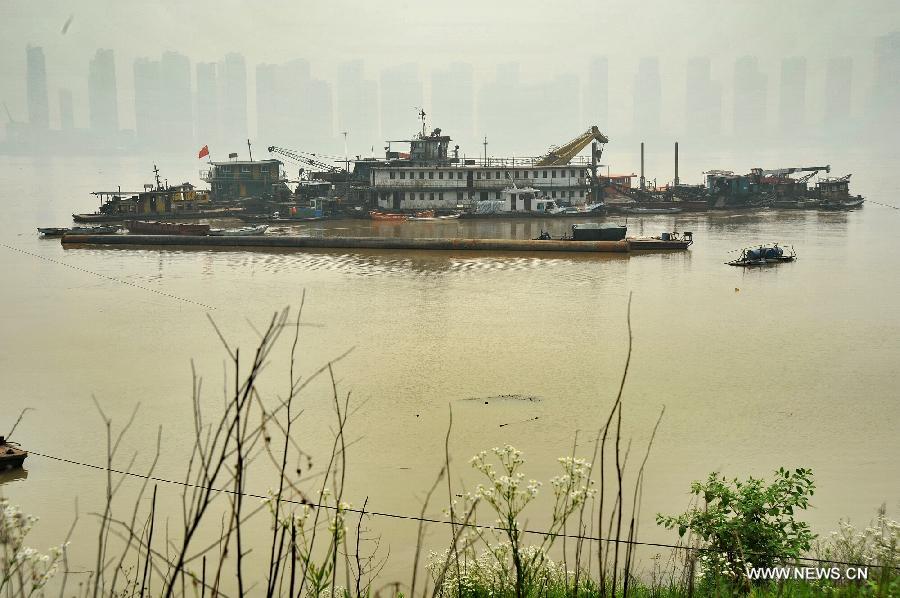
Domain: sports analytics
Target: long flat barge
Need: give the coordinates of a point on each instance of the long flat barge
(352, 243)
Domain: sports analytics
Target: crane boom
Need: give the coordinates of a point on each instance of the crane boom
(304, 158)
(564, 154)
(787, 171)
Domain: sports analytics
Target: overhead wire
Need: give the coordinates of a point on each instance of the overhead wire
(423, 519)
(106, 276)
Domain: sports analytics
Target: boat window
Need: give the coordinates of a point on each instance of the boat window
(498, 195)
(516, 174)
(477, 175)
(459, 175)
(422, 196)
(421, 174)
(393, 174)
(544, 174)
(540, 206)
(431, 196)
(402, 175)
(497, 175)
(430, 174)
(441, 174)
(245, 169)
(441, 196)
(553, 174)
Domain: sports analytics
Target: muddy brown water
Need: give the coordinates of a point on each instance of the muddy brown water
(794, 365)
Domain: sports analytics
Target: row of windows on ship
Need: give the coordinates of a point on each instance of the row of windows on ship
(487, 174)
(483, 195)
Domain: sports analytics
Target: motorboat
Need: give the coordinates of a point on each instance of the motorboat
(78, 230)
(763, 256)
(11, 454)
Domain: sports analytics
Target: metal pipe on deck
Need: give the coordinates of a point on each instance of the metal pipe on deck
(298, 242)
(642, 167)
(676, 163)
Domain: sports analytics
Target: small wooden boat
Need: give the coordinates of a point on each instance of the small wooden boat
(763, 256)
(277, 219)
(244, 231)
(143, 227)
(53, 232)
(642, 210)
(388, 216)
(432, 217)
(664, 241)
(11, 455)
(79, 230)
(582, 210)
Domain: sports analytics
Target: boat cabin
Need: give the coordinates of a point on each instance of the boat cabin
(526, 199)
(834, 188)
(235, 180)
(176, 199)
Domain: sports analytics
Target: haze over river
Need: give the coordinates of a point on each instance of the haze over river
(794, 365)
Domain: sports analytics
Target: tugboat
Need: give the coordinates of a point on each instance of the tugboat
(763, 256)
(11, 456)
(834, 194)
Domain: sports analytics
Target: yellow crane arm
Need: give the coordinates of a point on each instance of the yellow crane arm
(564, 154)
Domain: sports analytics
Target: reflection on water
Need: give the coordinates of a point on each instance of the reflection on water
(12, 476)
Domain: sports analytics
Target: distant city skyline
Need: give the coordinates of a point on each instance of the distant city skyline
(103, 103)
(177, 103)
(36, 88)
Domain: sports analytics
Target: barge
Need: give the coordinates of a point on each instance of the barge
(391, 243)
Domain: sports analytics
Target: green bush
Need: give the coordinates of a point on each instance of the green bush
(747, 523)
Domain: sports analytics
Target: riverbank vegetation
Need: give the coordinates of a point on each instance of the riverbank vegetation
(319, 544)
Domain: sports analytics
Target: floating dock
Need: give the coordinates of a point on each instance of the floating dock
(357, 243)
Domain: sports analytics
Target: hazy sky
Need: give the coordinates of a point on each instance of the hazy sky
(544, 37)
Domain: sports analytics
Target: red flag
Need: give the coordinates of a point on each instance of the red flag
(203, 152)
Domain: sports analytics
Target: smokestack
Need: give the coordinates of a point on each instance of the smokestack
(642, 166)
(676, 162)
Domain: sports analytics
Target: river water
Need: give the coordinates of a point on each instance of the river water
(792, 366)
